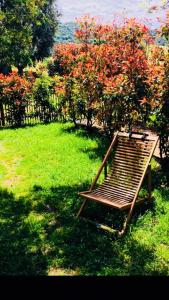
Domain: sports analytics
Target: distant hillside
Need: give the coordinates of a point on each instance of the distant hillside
(65, 33)
(161, 41)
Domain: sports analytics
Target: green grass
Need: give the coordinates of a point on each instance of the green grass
(42, 168)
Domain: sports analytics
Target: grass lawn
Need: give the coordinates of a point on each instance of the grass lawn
(42, 168)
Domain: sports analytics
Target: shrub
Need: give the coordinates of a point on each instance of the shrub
(105, 73)
(43, 88)
(15, 91)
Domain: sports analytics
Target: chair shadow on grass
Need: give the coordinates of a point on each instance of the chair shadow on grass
(40, 231)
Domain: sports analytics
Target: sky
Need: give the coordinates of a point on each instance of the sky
(106, 10)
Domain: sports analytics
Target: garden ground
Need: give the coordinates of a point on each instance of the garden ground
(42, 168)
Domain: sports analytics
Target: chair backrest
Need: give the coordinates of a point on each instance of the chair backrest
(133, 153)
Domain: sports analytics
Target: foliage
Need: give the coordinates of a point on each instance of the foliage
(27, 96)
(66, 34)
(165, 28)
(158, 87)
(22, 30)
(158, 82)
(44, 33)
(15, 91)
(107, 70)
(43, 88)
(115, 75)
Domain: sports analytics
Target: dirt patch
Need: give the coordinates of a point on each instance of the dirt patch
(1, 147)
(62, 272)
(12, 181)
(11, 178)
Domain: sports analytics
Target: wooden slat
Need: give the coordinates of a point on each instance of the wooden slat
(134, 142)
(122, 180)
(129, 163)
(104, 162)
(139, 186)
(131, 159)
(115, 177)
(132, 146)
(114, 194)
(117, 180)
(128, 181)
(122, 169)
(138, 146)
(114, 203)
(120, 194)
(133, 150)
(120, 186)
(131, 154)
(116, 190)
(100, 199)
(112, 197)
(123, 186)
(118, 174)
(135, 136)
(125, 168)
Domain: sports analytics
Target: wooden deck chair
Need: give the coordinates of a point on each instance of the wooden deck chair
(130, 164)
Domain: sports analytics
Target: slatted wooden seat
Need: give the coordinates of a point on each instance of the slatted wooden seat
(130, 164)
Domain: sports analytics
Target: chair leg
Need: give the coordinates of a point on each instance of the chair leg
(81, 208)
(121, 232)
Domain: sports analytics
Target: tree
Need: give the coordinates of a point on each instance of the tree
(20, 21)
(44, 32)
(165, 28)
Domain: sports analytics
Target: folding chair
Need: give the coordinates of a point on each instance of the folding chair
(130, 164)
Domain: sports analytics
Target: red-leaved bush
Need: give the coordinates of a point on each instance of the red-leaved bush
(15, 91)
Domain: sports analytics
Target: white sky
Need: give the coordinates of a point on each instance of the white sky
(106, 10)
